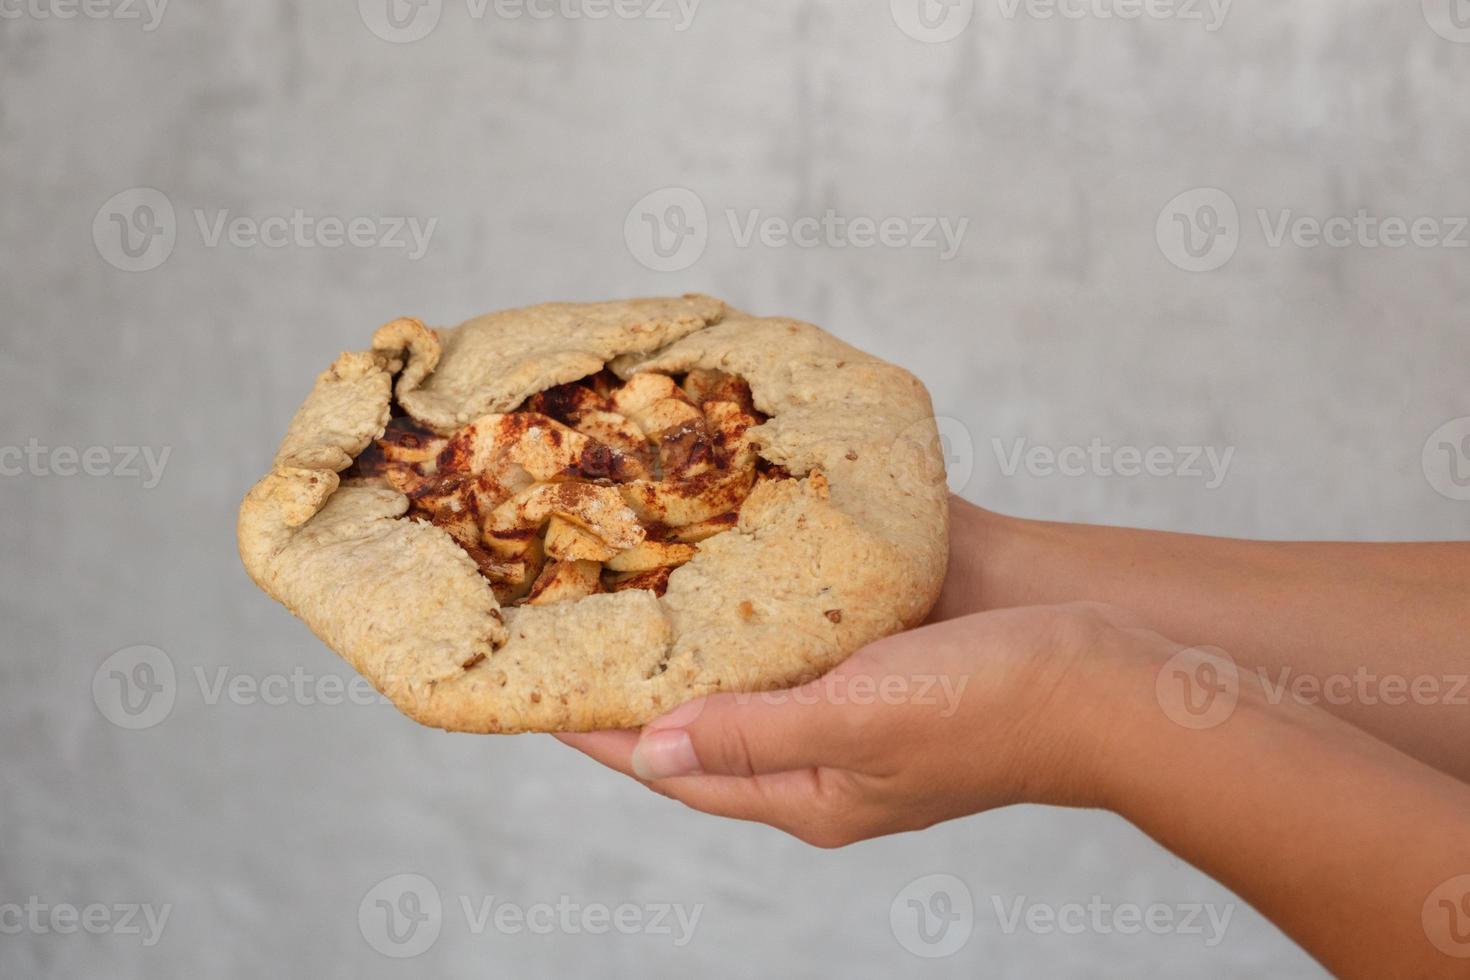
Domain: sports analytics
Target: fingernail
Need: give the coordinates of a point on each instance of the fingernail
(664, 755)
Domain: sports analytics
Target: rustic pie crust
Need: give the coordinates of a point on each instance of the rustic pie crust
(574, 517)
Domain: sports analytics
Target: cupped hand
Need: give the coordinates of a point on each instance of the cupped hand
(947, 720)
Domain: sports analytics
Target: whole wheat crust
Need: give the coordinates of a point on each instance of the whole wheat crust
(851, 548)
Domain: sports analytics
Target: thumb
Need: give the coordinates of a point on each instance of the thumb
(749, 735)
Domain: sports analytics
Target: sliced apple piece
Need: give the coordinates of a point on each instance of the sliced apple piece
(666, 415)
(642, 391)
(704, 530)
(564, 580)
(650, 555)
(703, 386)
(598, 509)
(566, 541)
(655, 580)
(730, 425)
(540, 445)
(683, 502)
(567, 403)
(616, 431)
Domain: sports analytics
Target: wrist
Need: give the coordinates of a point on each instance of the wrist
(1107, 717)
(984, 556)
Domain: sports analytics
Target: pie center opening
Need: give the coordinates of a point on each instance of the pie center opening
(596, 486)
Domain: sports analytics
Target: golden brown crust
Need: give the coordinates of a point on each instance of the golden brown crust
(814, 569)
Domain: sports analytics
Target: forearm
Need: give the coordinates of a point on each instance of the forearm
(1337, 838)
(1377, 634)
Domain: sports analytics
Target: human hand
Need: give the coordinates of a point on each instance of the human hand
(937, 723)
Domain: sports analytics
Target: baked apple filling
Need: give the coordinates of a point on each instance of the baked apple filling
(595, 486)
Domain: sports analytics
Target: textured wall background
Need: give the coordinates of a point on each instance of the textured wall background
(1063, 317)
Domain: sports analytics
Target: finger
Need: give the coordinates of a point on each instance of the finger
(612, 749)
(791, 802)
(1115, 616)
(759, 798)
(764, 799)
(784, 800)
(747, 735)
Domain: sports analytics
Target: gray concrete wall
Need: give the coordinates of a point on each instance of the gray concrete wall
(540, 148)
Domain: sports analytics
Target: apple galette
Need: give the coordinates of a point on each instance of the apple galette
(577, 516)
